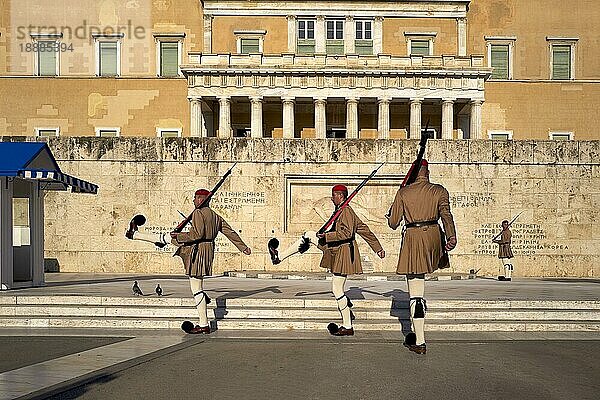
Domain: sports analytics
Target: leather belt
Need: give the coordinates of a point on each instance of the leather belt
(195, 243)
(341, 242)
(421, 224)
(204, 241)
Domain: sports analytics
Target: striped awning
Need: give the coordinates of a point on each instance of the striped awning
(59, 181)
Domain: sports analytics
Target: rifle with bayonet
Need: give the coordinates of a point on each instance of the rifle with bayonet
(337, 213)
(413, 172)
(183, 223)
(509, 224)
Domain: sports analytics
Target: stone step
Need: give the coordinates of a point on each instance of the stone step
(295, 324)
(294, 303)
(230, 312)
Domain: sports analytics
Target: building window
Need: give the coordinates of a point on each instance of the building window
(249, 46)
(47, 132)
(168, 132)
(499, 56)
(500, 135)
(108, 54)
(47, 50)
(108, 132)
(169, 59)
(335, 36)
(561, 135)
(47, 58)
(561, 62)
(168, 50)
(250, 42)
(306, 36)
(420, 43)
(419, 48)
(499, 61)
(562, 57)
(364, 38)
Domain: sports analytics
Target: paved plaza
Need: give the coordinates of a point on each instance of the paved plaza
(255, 364)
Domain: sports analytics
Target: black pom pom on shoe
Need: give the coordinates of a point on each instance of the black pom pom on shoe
(333, 328)
(410, 339)
(139, 220)
(187, 326)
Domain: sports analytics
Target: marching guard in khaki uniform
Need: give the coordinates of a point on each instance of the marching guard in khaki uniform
(197, 250)
(340, 254)
(505, 252)
(424, 245)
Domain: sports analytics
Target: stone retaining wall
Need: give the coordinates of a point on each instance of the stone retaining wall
(282, 188)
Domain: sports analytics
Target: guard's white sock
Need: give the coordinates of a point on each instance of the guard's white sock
(197, 286)
(509, 268)
(150, 237)
(295, 247)
(337, 284)
(416, 289)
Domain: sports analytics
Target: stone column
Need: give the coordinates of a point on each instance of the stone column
(476, 119)
(225, 118)
(292, 31)
(320, 118)
(349, 35)
(415, 119)
(447, 118)
(461, 26)
(288, 117)
(352, 118)
(320, 34)
(207, 47)
(378, 35)
(256, 118)
(197, 128)
(383, 118)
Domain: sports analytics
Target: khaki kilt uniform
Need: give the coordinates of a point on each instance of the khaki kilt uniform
(340, 251)
(422, 247)
(504, 249)
(197, 247)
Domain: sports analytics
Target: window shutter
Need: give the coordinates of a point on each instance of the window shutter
(47, 58)
(419, 47)
(169, 134)
(169, 59)
(561, 62)
(306, 46)
(108, 58)
(499, 61)
(250, 46)
(108, 133)
(47, 132)
(334, 47)
(363, 47)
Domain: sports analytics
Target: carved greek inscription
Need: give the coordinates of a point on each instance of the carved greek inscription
(225, 200)
(527, 239)
(462, 200)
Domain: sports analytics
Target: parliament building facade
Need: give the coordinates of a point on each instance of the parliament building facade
(466, 69)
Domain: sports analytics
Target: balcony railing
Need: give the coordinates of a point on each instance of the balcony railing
(348, 61)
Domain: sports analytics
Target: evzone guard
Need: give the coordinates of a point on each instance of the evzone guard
(337, 240)
(505, 254)
(421, 205)
(195, 247)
